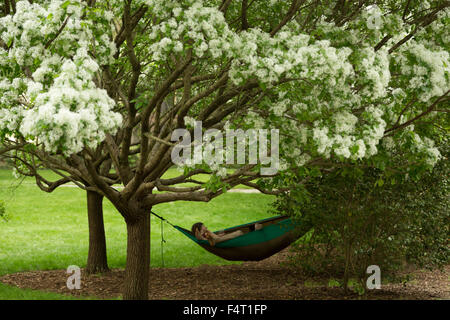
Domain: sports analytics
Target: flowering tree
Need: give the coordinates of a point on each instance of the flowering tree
(94, 90)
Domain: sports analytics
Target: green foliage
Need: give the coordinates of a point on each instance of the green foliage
(215, 184)
(359, 219)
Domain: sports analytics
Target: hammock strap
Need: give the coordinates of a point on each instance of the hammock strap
(162, 243)
(162, 234)
(162, 219)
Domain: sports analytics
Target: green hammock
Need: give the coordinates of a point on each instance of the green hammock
(277, 233)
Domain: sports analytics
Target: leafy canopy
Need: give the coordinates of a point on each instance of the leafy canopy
(343, 81)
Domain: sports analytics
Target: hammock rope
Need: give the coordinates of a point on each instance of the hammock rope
(162, 243)
(162, 219)
(162, 234)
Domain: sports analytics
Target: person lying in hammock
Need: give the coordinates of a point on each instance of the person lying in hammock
(201, 232)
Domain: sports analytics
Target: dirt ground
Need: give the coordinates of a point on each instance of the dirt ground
(264, 280)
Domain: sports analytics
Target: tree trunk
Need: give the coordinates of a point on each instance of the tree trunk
(138, 259)
(97, 260)
(347, 266)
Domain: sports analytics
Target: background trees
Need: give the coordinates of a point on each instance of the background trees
(93, 91)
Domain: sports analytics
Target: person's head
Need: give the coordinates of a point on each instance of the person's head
(198, 226)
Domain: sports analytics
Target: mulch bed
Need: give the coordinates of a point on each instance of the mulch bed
(268, 279)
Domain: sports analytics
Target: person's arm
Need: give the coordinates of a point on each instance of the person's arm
(208, 235)
(199, 235)
(211, 237)
(229, 236)
(214, 238)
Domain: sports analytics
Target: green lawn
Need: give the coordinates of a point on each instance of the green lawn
(13, 293)
(49, 231)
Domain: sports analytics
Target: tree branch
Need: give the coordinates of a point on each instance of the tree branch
(291, 12)
(409, 122)
(47, 45)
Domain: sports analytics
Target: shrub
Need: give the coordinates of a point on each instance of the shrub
(359, 220)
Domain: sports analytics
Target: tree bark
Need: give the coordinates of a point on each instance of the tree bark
(347, 265)
(97, 259)
(138, 259)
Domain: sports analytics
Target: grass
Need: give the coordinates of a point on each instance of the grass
(13, 293)
(49, 231)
